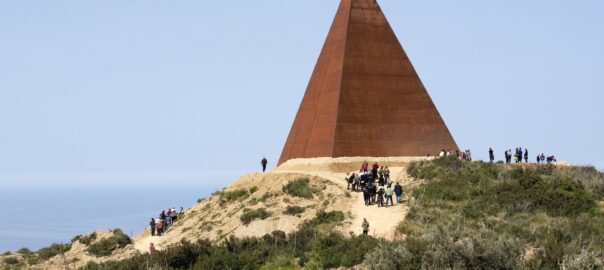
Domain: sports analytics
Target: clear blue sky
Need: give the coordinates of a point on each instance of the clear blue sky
(98, 91)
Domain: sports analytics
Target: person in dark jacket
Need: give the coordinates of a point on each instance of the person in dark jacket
(366, 196)
(491, 155)
(526, 155)
(372, 193)
(263, 163)
(152, 224)
(380, 197)
(398, 190)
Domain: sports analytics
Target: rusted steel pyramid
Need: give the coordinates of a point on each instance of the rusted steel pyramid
(364, 97)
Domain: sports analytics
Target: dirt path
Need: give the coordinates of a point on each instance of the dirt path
(383, 221)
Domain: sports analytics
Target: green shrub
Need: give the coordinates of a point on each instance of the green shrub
(53, 250)
(235, 195)
(24, 251)
(305, 246)
(584, 260)
(253, 189)
(334, 250)
(388, 255)
(299, 188)
(552, 209)
(250, 215)
(483, 251)
(589, 176)
(265, 197)
(294, 210)
(105, 247)
(323, 217)
(530, 191)
(11, 260)
(84, 239)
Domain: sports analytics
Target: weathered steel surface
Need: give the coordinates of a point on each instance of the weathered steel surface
(364, 97)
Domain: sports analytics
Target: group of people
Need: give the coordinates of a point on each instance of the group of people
(465, 155)
(162, 223)
(519, 154)
(375, 184)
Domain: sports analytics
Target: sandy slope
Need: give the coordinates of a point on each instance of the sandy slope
(325, 172)
(212, 221)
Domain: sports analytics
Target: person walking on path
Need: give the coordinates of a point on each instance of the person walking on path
(152, 224)
(365, 226)
(491, 155)
(151, 248)
(263, 163)
(398, 190)
(160, 228)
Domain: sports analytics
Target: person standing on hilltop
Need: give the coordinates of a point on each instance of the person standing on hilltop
(160, 228)
(526, 155)
(263, 163)
(364, 166)
(365, 226)
(491, 155)
(374, 170)
(152, 224)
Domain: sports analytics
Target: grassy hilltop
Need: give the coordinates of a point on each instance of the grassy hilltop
(463, 215)
(457, 215)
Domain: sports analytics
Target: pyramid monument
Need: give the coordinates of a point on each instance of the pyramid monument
(364, 97)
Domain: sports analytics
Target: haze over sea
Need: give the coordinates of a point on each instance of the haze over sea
(35, 217)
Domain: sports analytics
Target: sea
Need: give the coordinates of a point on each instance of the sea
(37, 217)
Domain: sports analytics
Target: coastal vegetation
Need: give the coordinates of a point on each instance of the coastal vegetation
(462, 215)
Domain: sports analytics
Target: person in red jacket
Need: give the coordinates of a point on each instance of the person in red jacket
(364, 166)
(374, 170)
